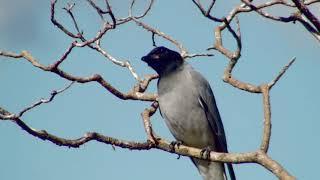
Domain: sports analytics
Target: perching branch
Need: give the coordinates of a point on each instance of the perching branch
(249, 157)
(260, 156)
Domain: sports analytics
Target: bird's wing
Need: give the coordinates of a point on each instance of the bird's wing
(208, 103)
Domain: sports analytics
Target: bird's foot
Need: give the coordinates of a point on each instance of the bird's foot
(205, 153)
(173, 144)
(153, 139)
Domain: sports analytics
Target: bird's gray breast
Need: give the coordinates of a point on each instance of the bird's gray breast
(180, 107)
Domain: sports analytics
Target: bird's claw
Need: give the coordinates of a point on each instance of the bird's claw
(153, 139)
(205, 153)
(173, 144)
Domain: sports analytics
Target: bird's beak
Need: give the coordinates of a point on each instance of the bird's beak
(150, 58)
(145, 59)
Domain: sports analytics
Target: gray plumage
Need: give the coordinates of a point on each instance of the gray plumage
(188, 106)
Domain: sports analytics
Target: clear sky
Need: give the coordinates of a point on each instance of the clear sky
(267, 47)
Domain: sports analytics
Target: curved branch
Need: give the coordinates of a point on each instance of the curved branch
(228, 78)
(133, 94)
(146, 114)
(129, 18)
(305, 11)
(182, 49)
(250, 157)
(38, 103)
(75, 143)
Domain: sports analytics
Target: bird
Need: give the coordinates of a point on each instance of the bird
(187, 104)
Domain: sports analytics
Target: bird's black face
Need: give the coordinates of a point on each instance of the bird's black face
(162, 59)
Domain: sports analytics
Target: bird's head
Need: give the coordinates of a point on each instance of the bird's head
(163, 60)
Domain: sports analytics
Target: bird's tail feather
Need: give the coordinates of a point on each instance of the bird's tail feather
(210, 170)
(231, 171)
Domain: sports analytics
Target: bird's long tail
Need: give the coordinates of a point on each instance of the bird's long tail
(231, 171)
(213, 170)
(210, 170)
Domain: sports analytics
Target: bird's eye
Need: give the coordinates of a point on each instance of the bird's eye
(155, 56)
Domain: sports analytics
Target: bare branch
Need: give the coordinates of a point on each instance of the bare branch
(42, 101)
(69, 11)
(75, 143)
(38, 103)
(64, 56)
(56, 23)
(101, 12)
(309, 28)
(146, 114)
(292, 18)
(129, 18)
(98, 9)
(267, 119)
(237, 36)
(137, 92)
(105, 27)
(308, 14)
(267, 108)
(250, 157)
(10, 54)
(153, 41)
(115, 61)
(133, 95)
(228, 78)
(98, 37)
(198, 55)
(218, 45)
(206, 13)
(143, 84)
(281, 73)
(183, 51)
(114, 21)
(232, 56)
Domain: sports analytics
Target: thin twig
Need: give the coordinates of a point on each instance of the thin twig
(69, 11)
(206, 13)
(153, 40)
(56, 23)
(198, 55)
(126, 64)
(64, 56)
(129, 18)
(183, 51)
(281, 73)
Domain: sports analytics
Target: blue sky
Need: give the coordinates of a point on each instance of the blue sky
(267, 47)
